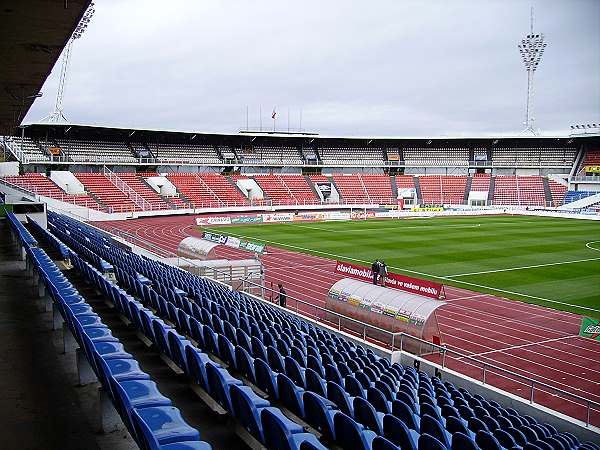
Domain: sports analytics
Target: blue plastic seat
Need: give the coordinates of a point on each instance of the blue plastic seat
(353, 387)
(379, 400)
(319, 413)
(210, 340)
(338, 395)
(461, 441)
(219, 382)
(397, 432)
(431, 426)
(456, 425)
(403, 412)
(365, 414)
(381, 443)
(275, 360)
(315, 383)
(283, 434)
(258, 349)
(504, 438)
(244, 363)
(487, 440)
(294, 371)
(197, 362)
(266, 380)
(474, 424)
(177, 349)
(226, 351)
(428, 442)
(157, 426)
(246, 407)
(313, 363)
(351, 435)
(290, 394)
(517, 435)
(111, 350)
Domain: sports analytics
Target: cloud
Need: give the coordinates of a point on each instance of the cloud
(354, 68)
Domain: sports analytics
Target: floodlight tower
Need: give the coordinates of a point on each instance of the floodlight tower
(531, 49)
(57, 115)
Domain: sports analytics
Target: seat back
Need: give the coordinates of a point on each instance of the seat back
(365, 414)
(337, 395)
(316, 413)
(397, 432)
(461, 441)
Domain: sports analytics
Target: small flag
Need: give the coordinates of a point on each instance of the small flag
(273, 114)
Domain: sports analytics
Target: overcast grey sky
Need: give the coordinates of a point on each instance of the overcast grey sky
(379, 67)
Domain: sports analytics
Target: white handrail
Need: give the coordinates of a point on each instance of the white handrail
(126, 189)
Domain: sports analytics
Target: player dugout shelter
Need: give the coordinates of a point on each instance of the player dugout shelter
(386, 309)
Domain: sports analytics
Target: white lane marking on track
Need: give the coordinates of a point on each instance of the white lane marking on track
(280, 244)
(515, 347)
(521, 267)
(468, 297)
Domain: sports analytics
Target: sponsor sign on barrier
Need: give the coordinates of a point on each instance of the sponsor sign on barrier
(246, 219)
(393, 280)
(337, 215)
(234, 242)
(310, 217)
(591, 169)
(278, 217)
(428, 209)
(220, 220)
(362, 215)
(590, 328)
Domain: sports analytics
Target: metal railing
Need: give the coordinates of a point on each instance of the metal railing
(136, 198)
(484, 372)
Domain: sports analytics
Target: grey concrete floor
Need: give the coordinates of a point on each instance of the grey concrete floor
(41, 406)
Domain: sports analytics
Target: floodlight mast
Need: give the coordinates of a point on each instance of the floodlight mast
(531, 49)
(58, 115)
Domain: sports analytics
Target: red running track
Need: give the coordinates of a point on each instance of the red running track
(539, 343)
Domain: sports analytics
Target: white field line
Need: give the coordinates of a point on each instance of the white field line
(521, 267)
(589, 246)
(333, 255)
(360, 230)
(514, 347)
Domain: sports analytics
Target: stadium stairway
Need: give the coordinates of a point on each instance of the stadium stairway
(311, 184)
(547, 191)
(333, 183)
(491, 190)
(394, 186)
(467, 190)
(418, 190)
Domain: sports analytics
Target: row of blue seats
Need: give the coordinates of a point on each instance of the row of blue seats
(182, 293)
(269, 426)
(150, 417)
(281, 386)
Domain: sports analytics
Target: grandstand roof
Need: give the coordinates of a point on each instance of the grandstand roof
(93, 132)
(35, 32)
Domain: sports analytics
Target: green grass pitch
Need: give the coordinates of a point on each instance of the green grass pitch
(533, 259)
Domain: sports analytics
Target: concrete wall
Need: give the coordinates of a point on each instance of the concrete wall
(9, 169)
(162, 185)
(67, 182)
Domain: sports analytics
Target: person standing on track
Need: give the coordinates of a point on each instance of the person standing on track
(282, 296)
(375, 269)
(382, 273)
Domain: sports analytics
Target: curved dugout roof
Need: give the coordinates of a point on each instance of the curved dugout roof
(412, 308)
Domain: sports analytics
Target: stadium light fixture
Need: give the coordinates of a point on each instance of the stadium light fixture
(531, 49)
(591, 128)
(58, 115)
